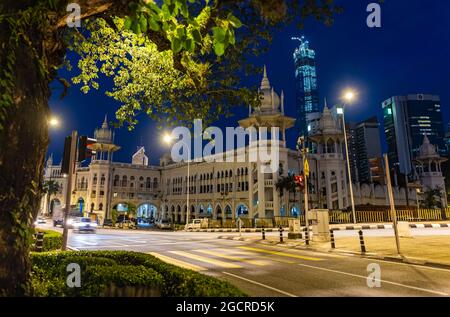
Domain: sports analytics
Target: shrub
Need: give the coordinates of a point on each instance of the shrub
(52, 240)
(121, 273)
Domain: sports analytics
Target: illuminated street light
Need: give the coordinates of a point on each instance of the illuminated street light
(348, 96)
(53, 122)
(167, 138)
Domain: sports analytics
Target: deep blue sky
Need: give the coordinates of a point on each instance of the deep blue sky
(408, 54)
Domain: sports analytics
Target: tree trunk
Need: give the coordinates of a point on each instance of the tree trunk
(23, 144)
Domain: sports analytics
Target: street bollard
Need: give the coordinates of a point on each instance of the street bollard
(281, 233)
(39, 241)
(263, 233)
(306, 236)
(361, 242)
(333, 245)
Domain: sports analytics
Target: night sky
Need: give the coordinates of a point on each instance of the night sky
(409, 54)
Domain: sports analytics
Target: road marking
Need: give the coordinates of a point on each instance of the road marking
(296, 256)
(261, 256)
(234, 258)
(179, 263)
(382, 281)
(260, 284)
(86, 242)
(207, 260)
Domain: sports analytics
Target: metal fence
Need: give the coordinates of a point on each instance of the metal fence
(338, 217)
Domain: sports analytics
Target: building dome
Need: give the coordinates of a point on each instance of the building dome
(327, 123)
(104, 134)
(270, 101)
(427, 149)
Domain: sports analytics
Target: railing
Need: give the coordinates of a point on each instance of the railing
(269, 205)
(268, 182)
(343, 217)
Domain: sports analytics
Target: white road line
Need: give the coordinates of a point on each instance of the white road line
(407, 264)
(260, 284)
(382, 281)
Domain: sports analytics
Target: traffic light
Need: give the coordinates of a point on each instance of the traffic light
(299, 181)
(66, 155)
(85, 148)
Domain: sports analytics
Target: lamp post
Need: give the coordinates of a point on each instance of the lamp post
(168, 139)
(301, 147)
(348, 96)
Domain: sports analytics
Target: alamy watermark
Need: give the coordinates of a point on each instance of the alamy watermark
(263, 145)
(374, 277)
(374, 18)
(73, 20)
(74, 276)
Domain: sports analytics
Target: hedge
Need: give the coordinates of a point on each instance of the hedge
(121, 273)
(52, 240)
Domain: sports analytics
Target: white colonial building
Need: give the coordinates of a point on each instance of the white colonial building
(220, 190)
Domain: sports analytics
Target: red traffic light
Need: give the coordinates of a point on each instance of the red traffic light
(299, 180)
(85, 148)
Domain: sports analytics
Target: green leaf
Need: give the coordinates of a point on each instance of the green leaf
(143, 24)
(219, 48)
(127, 23)
(154, 25)
(235, 22)
(219, 34)
(196, 35)
(176, 45)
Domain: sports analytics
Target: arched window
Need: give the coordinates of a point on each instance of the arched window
(246, 171)
(124, 181)
(238, 172)
(226, 173)
(102, 180)
(100, 207)
(231, 173)
(155, 183)
(148, 182)
(94, 180)
(116, 180)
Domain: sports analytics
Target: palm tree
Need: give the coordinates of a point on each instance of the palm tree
(50, 187)
(286, 183)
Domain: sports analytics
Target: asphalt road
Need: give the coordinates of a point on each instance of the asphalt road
(261, 270)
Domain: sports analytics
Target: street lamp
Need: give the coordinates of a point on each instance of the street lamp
(168, 139)
(53, 122)
(348, 97)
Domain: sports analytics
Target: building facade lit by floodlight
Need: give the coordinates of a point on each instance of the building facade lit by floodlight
(307, 95)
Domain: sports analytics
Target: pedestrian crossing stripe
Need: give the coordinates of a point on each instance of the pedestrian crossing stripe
(207, 260)
(234, 258)
(256, 255)
(296, 256)
(179, 263)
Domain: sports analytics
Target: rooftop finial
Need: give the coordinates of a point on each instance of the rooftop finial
(265, 84)
(105, 122)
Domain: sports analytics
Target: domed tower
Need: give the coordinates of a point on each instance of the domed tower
(268, 117)
(104, 146)
(428, 167)
(330, 183)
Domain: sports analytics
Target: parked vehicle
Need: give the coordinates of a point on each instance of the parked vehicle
(197, 224)
(81, 224)
(40, 220)
(163, 224)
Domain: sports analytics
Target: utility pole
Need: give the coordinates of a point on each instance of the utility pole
(72, 160)
(391, 202)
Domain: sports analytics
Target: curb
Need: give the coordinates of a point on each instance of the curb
(367, 255)
(242, 230)
(374, 227)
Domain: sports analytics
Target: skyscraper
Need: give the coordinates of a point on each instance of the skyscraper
(407, 119)
(307, 95)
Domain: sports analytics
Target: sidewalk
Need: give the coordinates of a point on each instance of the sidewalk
(422, 250)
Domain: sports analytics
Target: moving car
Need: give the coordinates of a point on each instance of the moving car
(40, 220)
(163, 224)
(58, 217)
(84, 224)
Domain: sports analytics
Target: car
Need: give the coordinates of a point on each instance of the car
(163, 224)
(195, 224)
(81, 224)
(40, 220)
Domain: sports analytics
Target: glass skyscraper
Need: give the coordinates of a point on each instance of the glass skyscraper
(307, 95)
(407, 119)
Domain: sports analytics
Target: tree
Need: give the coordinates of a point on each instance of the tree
(50, 188)
(432, 198)
(286, 183)
(198, 45)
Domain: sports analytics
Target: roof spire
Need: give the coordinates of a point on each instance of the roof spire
(105, 122)
(265, 84)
